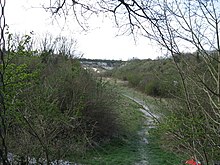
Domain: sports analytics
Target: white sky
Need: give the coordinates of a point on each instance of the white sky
(101, 42)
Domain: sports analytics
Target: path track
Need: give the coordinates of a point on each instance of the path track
(150, 120)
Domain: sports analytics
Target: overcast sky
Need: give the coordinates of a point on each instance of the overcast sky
(100, 42)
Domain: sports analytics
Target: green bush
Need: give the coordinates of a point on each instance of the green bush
(153, 89)
(57, 107)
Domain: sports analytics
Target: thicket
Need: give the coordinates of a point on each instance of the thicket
(53, 106)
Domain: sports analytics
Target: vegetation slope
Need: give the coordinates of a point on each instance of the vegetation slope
(186, 87)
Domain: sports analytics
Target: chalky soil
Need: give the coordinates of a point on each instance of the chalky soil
(150, 119)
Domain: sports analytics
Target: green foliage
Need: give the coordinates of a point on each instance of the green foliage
(54, 106)
(156, 78)
(152, 88)
(67, 109)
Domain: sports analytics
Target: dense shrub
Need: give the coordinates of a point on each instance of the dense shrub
(153, 89)
(56, 106)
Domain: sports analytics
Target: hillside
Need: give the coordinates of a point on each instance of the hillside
(153, 77)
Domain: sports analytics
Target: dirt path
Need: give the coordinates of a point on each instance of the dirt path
(150, 120)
